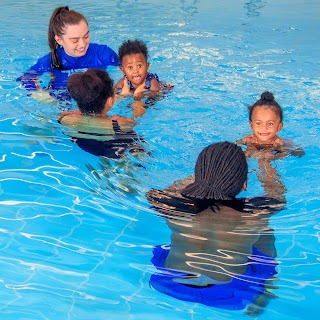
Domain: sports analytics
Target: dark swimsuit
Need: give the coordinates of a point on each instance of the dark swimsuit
(149, 77)
(115, 147)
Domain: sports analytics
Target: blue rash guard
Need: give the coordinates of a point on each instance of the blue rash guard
(97, 56)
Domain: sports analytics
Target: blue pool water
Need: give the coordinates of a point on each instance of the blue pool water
(76, 231)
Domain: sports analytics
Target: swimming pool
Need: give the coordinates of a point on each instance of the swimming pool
(76, 232)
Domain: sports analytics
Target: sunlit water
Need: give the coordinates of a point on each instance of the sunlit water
(77, 232)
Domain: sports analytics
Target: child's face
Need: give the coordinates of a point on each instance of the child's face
(135, 67)
(265, 124)
(76, 39)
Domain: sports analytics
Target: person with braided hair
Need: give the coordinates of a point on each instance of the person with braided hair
(220, 174)
(70, 52)
(222, 250)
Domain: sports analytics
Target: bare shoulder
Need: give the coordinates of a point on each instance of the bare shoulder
(264, 206)
(126, 124)
(87, 123)
(177, 186)
(69, 117)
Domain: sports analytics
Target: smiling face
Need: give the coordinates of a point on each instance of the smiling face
(265, 123)
(75, 40)
(135, 67)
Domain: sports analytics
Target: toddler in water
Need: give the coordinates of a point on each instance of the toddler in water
(133, 56)
(266, 118)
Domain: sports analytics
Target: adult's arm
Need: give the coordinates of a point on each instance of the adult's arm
(30, 78)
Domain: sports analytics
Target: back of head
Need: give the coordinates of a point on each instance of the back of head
(132, 47)
(220, 173)
(91, 90)
(60, 19)
(267, 99)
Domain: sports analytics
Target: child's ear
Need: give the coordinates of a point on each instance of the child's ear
(148, 65)
(251, 125)
(280, 126)
(121, 68)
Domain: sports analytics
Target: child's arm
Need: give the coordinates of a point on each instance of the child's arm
(249, 140)
(278, 142)
(154, 85)
(271, 181)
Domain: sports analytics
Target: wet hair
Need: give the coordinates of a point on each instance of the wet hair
(60, 19)
(91, 90)
(267, 99)
(132, 47)
(220, 173)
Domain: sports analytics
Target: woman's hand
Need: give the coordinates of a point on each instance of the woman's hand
(42, 96)
(138, 93)
(125, 91)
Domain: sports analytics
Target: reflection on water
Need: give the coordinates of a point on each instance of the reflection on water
(253, 7)
(189, 6)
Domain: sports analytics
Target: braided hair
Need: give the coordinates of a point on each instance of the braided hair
(267, 99)
(91, 90)
(60, 18)
(220, 173)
